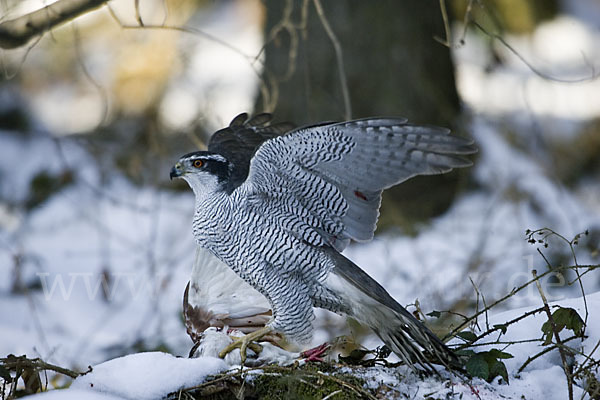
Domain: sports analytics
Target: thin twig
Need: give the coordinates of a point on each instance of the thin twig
(339, 57)
(515, 291)
(547, 232)
(487, 322)
(536, 71)
(185, 29)
(261, 72)
(6, 73)
(541, 353)
(88, 75)
(330, 395)
(588, 357)
(498, 327)
(511, 342)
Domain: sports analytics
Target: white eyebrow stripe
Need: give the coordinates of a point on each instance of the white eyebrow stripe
(214, 157)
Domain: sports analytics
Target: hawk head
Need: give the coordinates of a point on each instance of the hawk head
(204, 171)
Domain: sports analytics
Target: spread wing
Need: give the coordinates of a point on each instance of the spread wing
(240, 140)
(324, 183)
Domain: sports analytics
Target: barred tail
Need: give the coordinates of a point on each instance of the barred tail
(368, 302)
(412, 341)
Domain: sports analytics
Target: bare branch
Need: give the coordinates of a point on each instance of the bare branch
(19, 31)
(12, 362)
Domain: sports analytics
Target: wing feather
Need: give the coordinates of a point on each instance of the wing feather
(330, 177)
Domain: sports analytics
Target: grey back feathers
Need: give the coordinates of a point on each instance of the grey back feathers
(240, 140)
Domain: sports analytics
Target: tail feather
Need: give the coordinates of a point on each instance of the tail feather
(413, 342)
(367, 301)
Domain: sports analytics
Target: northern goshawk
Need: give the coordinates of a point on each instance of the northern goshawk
(278, 205)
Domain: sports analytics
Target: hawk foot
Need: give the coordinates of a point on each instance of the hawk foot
(246, 341)
(315, 354)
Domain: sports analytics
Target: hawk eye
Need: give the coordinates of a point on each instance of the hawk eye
(198, 163)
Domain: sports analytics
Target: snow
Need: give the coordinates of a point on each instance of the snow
(141, 376)
(542, 379)
(531, 328)
(137, 237)
(148, 375)
(73, 394)
(153, 375)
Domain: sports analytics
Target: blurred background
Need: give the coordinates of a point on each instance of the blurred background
(95, 241)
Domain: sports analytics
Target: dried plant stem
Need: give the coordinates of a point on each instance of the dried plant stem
(559, 343)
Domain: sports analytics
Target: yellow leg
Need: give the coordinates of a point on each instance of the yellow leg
(244, 342)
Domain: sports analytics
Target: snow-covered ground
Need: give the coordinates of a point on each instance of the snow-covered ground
(153, 375)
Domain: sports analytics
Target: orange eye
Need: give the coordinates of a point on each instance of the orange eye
(198, 163)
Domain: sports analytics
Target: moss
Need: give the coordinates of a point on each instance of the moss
(298, 385)
(311, 381)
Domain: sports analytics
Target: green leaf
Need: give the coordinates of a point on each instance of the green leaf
(571, 320)
(498, 369)
(497, 354)
(563, 318)
(547, 329)
(434, 314)
(467, 336)
(487, 365)
(464, 352)
(477, 366)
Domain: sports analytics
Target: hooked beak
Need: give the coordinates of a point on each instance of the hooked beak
(176, 171)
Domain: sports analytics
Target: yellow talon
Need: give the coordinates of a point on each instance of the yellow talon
(246, 341)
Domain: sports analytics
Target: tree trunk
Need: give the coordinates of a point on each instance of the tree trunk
(393, 67)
